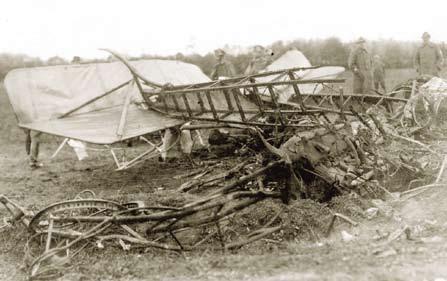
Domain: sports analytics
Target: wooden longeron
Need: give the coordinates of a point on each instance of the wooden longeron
(252, 99)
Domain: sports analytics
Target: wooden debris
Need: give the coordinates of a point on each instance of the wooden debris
(287, 163)
(346, 219)
(333, 219)
(441, 170)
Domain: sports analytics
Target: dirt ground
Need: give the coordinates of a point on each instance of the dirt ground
(420, 256)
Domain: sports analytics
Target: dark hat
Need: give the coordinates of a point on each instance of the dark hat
(76, 59)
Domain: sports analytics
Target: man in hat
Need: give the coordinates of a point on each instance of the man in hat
(428, 59)
(260, 60)
(379, 73)
(76, 60)
(361, 66)
(222, 69)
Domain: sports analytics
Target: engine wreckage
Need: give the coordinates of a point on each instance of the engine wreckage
(290, 142)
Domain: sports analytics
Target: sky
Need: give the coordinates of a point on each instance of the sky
(68, 28)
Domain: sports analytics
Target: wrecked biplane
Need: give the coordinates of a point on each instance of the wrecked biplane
(319, 160)
(107, 103)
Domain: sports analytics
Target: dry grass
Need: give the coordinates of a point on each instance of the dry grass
(392, 78)
(301, 257)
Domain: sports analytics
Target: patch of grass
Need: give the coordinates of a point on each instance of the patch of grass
(393, 77)
(152, 182)
(11, 133)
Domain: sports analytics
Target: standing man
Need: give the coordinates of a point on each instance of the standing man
(32, 148)
(379, 73)
(428, 59)
(361, 66)
(260, 60)
(222, 69)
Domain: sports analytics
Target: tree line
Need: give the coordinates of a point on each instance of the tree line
(329, 51)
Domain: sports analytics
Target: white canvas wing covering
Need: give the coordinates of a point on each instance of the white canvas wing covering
(294, 59)
(39, 96)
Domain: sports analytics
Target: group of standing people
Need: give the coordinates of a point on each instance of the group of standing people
(261, 58)
(369, 73)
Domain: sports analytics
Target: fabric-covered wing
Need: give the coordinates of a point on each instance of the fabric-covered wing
(100, 127)
(293, 59)
(325, 72)
(40, 96)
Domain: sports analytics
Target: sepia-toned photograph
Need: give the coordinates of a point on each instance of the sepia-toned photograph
(223, 140)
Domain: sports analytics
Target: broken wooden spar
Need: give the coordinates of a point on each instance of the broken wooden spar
(284, 95)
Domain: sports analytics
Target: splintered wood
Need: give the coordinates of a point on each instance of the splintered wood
(367, 154)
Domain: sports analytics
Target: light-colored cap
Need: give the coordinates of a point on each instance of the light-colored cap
(426, 35)
(360, 40)
(219, 52)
